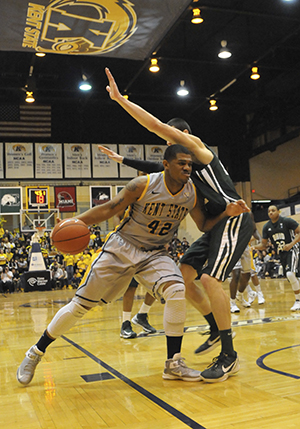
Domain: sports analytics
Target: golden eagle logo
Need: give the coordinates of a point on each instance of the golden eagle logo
(19, 148)
(87, 26)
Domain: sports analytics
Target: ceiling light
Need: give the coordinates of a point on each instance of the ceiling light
(126, 96)
(182, 91)
(213, 105)
(85, 85)
(40, 54)
(196, 16)
(255, 75)
(29, 97)
(154, 68)
(224, 52)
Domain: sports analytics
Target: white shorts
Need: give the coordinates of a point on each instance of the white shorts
(111, 270)
(244, 263)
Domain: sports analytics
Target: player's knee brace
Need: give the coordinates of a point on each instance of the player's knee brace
(65, 319)
(293, 280)
(174, 314)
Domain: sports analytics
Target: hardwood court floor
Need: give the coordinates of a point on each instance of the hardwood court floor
(90, 378)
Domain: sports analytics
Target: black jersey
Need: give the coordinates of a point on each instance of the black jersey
(280, 232)
(211, 180)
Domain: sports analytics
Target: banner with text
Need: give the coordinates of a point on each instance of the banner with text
(65, 198)
(48, 161)
(77, 160)
(102, 165)
(129, 29)
(130, 151)
(19, 160)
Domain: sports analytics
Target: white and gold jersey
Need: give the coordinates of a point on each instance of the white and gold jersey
(152, 221)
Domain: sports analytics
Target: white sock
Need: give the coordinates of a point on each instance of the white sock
(249, 289)
(144, 308)
(258, 288)
(126, 315)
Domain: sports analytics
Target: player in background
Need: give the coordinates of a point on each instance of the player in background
(284, 234)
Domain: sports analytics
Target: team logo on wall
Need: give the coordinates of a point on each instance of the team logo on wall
(18, 148)
(156, 150)
(79, 26)
(10, 200)
(65, 198)
(47, 148)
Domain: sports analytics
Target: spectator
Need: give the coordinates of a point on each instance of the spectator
(6, 283)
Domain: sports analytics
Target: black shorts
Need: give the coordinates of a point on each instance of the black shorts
(290, 261)
(217, 251)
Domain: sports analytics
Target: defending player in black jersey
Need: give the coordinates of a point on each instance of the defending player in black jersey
(213, 256)
(284, 234)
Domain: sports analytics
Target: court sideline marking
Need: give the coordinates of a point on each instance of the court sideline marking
(171, 410)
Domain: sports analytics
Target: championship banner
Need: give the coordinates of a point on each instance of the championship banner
(102, 165)
(130, 29)
(155, 153)
(65, 198)
(77, 160)
(1, 161)
(19, 160)
(130, 151)
(10, 200)
(48, 161)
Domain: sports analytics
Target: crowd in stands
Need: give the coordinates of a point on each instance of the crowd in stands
(66, 270)
(267, 263)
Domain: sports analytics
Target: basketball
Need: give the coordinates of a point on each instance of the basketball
(70, 236)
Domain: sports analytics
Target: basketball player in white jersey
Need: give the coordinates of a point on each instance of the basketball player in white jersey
(159, 202)
(211, 257)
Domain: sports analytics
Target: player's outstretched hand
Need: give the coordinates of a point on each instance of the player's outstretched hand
(112, 88)
(236, 208)
(111, 154)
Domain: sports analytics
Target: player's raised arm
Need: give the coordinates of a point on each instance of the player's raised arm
(154, 125)
(128, 195)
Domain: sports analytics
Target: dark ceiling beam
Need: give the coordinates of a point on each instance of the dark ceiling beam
(247, 12)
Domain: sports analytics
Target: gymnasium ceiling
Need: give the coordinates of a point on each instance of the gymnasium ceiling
(262, 33)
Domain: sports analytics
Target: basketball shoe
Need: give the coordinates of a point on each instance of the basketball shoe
(233, 307)
(221, 368)
(176, 369)
(210, 344)
(296, 306)
(251, 296)
(239, 297)
(26, 370)
(141, 319)
(126, 330)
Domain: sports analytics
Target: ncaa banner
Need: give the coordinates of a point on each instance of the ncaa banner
(131, 151)
(48, 161)
(112, 28)
(155, 153)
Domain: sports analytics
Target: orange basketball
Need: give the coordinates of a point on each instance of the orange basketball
(70, 236)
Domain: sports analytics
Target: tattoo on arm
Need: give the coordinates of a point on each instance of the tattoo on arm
(117, 203)
(134, 184)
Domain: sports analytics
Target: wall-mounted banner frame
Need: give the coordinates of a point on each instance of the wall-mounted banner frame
(77, 160)
(19, 160)
(48, 161)
(65, 198)
(103, 166)
(99, 195)
(130, 151)
(10, 200)
(1, 161)
(155, 153)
